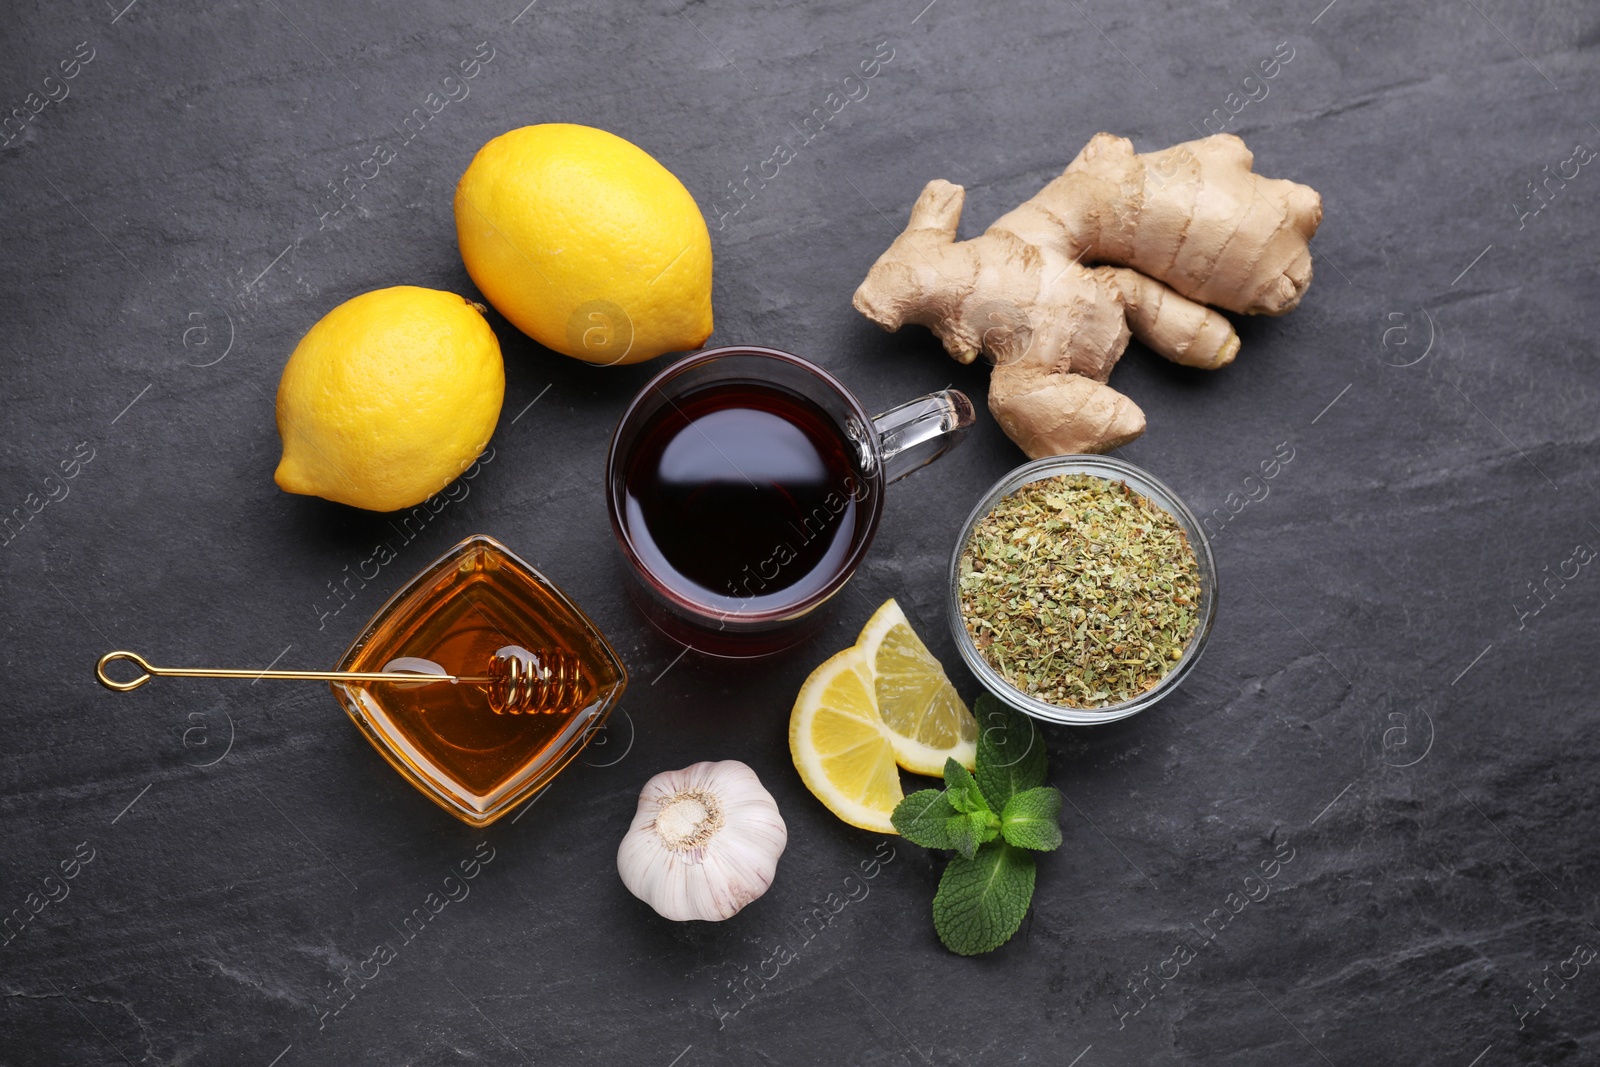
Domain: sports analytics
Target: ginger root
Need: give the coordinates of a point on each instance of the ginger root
(1118, 245)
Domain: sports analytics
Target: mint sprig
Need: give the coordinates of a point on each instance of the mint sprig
(992, 818)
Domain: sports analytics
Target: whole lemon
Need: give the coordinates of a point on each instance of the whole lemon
(388, 398)
(586, 244)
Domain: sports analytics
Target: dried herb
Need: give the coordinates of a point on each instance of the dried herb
(1079, 591)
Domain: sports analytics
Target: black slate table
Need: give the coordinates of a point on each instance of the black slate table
(1397, 705)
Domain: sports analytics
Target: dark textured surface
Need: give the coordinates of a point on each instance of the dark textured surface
(1373, 702)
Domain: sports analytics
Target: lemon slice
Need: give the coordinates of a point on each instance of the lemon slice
(840, 746)
(925, 716)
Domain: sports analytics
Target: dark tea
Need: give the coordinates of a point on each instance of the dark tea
(742, 496)
(744, 487)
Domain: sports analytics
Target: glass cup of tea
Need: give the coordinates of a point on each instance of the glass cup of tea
(745, 486)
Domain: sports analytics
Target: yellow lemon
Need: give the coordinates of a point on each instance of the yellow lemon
(840, 746)
(388, 398)
(586, 244)
(924, 714)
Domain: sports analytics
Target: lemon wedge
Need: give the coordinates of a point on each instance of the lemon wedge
(843, 751)
(926, 719)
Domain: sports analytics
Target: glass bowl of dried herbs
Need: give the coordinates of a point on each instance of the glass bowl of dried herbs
(1082, 590)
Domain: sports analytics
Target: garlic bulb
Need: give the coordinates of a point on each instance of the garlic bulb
(704, 843)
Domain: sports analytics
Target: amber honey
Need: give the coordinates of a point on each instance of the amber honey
(477, 600)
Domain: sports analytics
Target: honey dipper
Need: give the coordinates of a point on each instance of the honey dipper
(519, 682)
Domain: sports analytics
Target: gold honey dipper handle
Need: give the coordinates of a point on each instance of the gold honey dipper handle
(516, 684)
(149, 669)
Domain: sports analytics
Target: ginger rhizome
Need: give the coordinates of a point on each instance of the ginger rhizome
(1120, 244)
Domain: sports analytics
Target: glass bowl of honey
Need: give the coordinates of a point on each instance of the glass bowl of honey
(464, 745)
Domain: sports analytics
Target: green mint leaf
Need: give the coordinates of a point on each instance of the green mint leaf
(974, 829)
(966, 834)
(1032, 819)
(1011, 755)
(926, 818)
(982, 900)
(963, 791)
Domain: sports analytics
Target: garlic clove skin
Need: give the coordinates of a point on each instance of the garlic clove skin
(704, 842)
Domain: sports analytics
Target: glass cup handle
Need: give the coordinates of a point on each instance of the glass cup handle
(919, 431)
